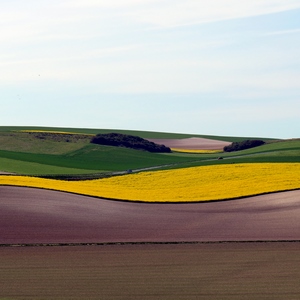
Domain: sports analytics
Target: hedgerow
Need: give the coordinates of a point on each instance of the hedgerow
(246, 144)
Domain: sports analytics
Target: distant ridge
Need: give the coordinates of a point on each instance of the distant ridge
(141, 133)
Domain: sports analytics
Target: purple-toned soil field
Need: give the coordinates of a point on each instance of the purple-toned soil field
(202, 250)
(29, 215)
(192, 143)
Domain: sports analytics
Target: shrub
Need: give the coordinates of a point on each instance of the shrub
(128, 141)
(246, 144)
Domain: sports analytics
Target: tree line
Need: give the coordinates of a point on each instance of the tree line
(128, 141)
(246, 144)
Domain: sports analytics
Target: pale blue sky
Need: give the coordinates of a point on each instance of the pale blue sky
(220, 67)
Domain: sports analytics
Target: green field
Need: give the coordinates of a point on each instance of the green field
(56, 154)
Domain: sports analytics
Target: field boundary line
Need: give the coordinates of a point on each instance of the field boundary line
(145, 243)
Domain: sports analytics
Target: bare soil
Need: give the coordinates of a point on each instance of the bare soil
(192, 143)
(203, 271)
(227, 270)
(29, 215)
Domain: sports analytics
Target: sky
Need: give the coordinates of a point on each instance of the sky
(217, 67)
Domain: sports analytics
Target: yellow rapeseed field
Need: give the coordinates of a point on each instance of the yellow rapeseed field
(196, 151)
(203, 183)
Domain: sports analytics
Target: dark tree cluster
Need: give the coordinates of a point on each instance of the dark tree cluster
(247, 144)
(128, 141)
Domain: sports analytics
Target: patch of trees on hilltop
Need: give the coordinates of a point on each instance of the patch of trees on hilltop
(246, 144)
(128, 141)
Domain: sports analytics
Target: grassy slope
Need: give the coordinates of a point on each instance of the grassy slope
(25, 142)
(23, 154)
(91, 157)
(31, 168)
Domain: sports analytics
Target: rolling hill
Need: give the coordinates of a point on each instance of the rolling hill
(68, 151)
(50, 240)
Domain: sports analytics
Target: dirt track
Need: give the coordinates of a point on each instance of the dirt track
(30, 215)
(4, 173)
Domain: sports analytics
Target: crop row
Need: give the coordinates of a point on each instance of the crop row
(193, 184)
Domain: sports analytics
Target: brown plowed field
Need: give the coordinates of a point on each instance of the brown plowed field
(29, 215)
(169, 272)
(192, 143)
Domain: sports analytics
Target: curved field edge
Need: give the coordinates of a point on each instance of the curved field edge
(195, 184)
